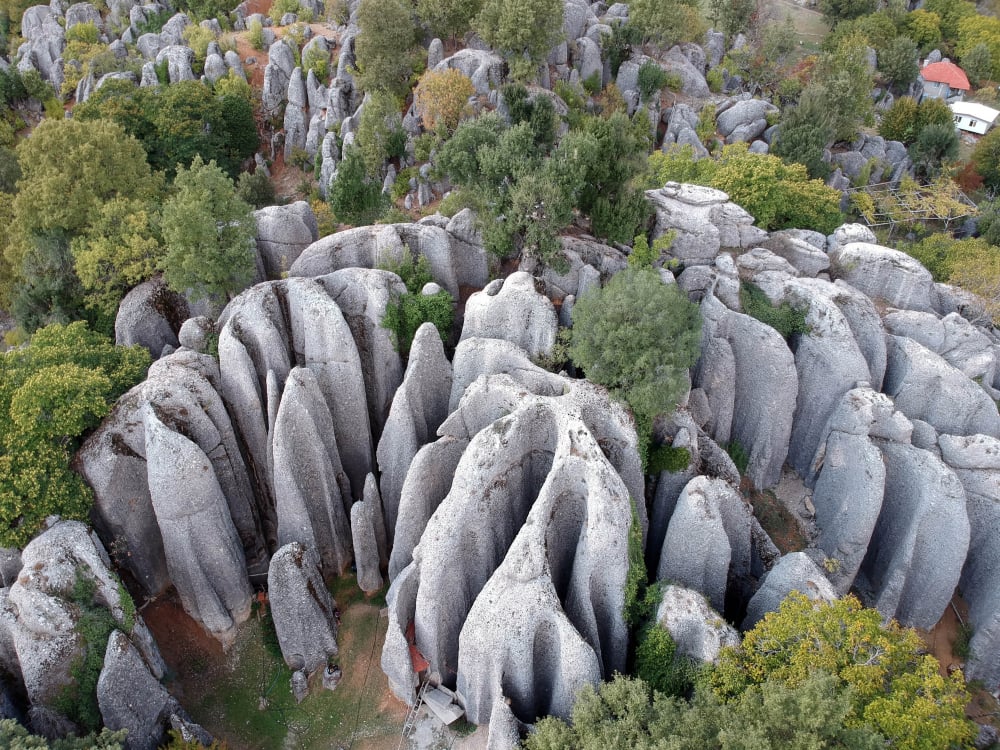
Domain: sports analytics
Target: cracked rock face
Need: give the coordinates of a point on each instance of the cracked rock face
(515, 587)
(38, 617)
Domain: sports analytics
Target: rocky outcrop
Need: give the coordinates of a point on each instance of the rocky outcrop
(920, 541)
(794, 572)
(883, 274)
(475, 357)
(707, 545)
(283, 232)
(418, 409)
(512, 309)
(182, 391)
(748, 376)
(39, 615)
(454, 261)
(150, 315)
(698, 630)
(704, 220)
(850, 479)
(368, 534)
(976, 462)
(131, 698)
(203, 553)
(301, 608)
(924, 386)
(539, 504)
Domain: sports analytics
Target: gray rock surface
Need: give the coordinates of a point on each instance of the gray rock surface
(743, 113)
(708, 540)
(130, 698)
(283, 232)
(179, 60)
(920, 541)
(512, 309)
(704, 220)
(202, 548)
(150, 315)
(925, 387)
(884, 274)
(365, 517)
(312, 493)
(419, 407)
(807, 259)
(748, 375)
(698, 630)
(475, 357)
(538, 505)
(485, 69)
(850, 479)
(794, 572)
(301, 608)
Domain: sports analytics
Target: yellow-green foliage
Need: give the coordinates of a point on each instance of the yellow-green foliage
(198, 39)
(51, 391)
(895, 687)
(778, 195)
(442, 98)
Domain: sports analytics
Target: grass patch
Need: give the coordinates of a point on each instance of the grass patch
(247, 701)
(963, 639)
(778, 522)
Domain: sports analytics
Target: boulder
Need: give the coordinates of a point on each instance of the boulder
(925, 387)
(131, 698)
(804, 256)
(743, 113)
(312, 493)
(150, 315)
(794, 572)
(884, 274)
(699, 631)
(202, 548)
(475, 357)
(848, 233)
(418, 408)
(704, 220)
(921, 539)
(588, 59)
(692, 80)
(365, 518)
(850, 481)
(512, 309)
(179, 60)
(749, 378)
(485, 69)
(707, 544)
(301, 608)
(828, 363)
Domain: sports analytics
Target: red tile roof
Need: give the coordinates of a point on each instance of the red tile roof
(946, 72)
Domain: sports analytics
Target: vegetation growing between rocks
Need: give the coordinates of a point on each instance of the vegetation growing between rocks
(783, 318)
(15, 737)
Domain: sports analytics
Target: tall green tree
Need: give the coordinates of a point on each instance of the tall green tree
(521, 30)
(354, 198)
(806, 130)
(976, 31)
(835, 11)
(448, 18)
(386, 45)
(667, 21)
(986, 158)
(897, 62)
(637, 336)
(380, 133)
(847, 81)
(978, 63)
(208, 233)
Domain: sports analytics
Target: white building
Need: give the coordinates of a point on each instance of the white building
(972, 117)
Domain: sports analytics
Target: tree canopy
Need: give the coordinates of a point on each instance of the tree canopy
(208, 233)
(51, 392)
(637, 336)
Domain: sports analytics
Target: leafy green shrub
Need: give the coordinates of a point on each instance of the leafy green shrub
(16, 737)
(673, 81)
(281, 7)
(667, 458)
(739, 455)
(255, 189)
(255, 35)
(318, 61)
(618, 44)
(652, 78)
(784, 318)
(404, 316)
(402, 184)
(715, 80)
(963, 639)
(94, 624)
(83, 32)
(154, 22)
(592, 83)
(641, 599)
(657, 662)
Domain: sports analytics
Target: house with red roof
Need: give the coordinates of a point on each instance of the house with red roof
(943, 80)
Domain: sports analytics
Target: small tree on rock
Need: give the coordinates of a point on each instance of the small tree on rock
(208, 233)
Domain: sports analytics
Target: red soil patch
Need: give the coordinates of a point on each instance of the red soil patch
(183, 643)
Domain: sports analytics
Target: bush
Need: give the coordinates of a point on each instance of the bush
(256, 189)
(784, 318)
(592, 83)
(404, 316)
(652, 78)
(318, 61)
(255, 35)
(659, 665)
(714, 79)
(739, 455)
(281, 7)
(669, 459)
